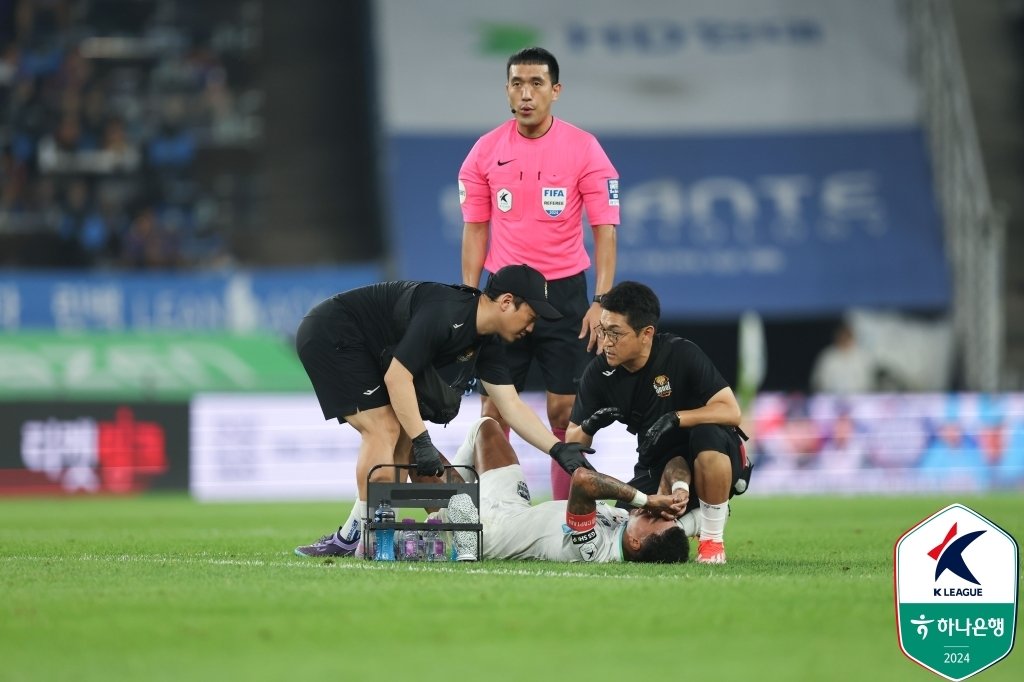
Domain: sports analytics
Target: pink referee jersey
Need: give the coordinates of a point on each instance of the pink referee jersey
(533, 191)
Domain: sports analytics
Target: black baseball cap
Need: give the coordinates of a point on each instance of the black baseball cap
(526, 283)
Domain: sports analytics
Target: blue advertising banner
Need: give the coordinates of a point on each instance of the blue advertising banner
(794, 223)
(234, 301)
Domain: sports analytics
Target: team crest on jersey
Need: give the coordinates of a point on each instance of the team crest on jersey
(523, 490)
(662, 386)
(504, 198)
(466, 355)
(585, 544)
(553, 200)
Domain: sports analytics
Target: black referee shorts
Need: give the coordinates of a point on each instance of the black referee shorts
(555, 344)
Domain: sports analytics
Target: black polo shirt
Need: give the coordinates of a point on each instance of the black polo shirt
(678, 376)
(441, 329)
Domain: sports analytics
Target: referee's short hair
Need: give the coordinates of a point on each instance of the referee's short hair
(534, 55)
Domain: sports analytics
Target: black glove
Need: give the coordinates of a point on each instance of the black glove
(600, 419)
(428, 459)
(666, 422)
(570, 456)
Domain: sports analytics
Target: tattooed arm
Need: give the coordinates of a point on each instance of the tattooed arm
(590, 486)
(677, 470)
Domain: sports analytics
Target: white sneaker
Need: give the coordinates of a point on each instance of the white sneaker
(462, 510)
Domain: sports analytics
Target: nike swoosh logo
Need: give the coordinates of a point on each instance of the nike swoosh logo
(371, 391)
(608, 372)
(502, 163)
(456, 326)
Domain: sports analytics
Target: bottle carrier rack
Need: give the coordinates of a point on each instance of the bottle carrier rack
(407, 494)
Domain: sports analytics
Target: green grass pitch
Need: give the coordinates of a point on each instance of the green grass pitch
(161, 587)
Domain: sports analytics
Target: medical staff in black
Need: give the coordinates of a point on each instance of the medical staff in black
(364, 349)
(666, 390)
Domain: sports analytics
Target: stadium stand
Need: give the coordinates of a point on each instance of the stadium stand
(128, 129)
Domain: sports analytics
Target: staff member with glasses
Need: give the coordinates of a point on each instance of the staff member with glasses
(668, 392)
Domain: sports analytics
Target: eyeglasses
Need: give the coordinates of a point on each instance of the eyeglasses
(610, 335)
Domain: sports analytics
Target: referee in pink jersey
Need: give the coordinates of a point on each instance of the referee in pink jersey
(523, 188)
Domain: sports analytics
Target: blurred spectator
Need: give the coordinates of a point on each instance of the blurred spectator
(954, 459)
(843, 367)
(93, 115)
(75, 73)
(28, 117)
(845, 449)
(117, 154)
(46, 205)
(148, 244)
(174, 145)
(58, 151)
(13, 190)
(9, 58)
(788, 436)
(82, 228)
(801, 433)
(41, 19)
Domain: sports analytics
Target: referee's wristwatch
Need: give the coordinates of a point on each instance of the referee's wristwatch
(598, 298)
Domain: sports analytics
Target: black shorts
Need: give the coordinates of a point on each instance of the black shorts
(555, 344)
(702, 437)
(346, 377)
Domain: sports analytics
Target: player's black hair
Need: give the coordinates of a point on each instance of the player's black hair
(534, 55)
(668, 547)
(636, 302)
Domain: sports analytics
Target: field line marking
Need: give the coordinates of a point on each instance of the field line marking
(344, 564)
(492, 568)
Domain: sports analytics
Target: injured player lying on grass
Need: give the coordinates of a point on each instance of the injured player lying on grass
(581, 528)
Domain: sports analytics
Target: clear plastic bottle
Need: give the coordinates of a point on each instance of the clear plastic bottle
(410, 542)
(385, 545)
(433, 542)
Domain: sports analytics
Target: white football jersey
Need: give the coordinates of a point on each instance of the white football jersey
(513, 529)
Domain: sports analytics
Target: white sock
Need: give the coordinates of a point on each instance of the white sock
(712, 520)
(354, 522)
(690, 523)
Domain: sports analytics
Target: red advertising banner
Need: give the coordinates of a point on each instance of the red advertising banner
(110, 448)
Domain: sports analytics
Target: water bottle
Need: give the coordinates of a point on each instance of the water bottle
(433, 542)
(385, 537)
(410, 541)
(370, 548)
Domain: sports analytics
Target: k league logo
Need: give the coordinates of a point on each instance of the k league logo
(952, 559)
(956, 576)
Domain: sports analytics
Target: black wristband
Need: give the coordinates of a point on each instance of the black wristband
(598, 298)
